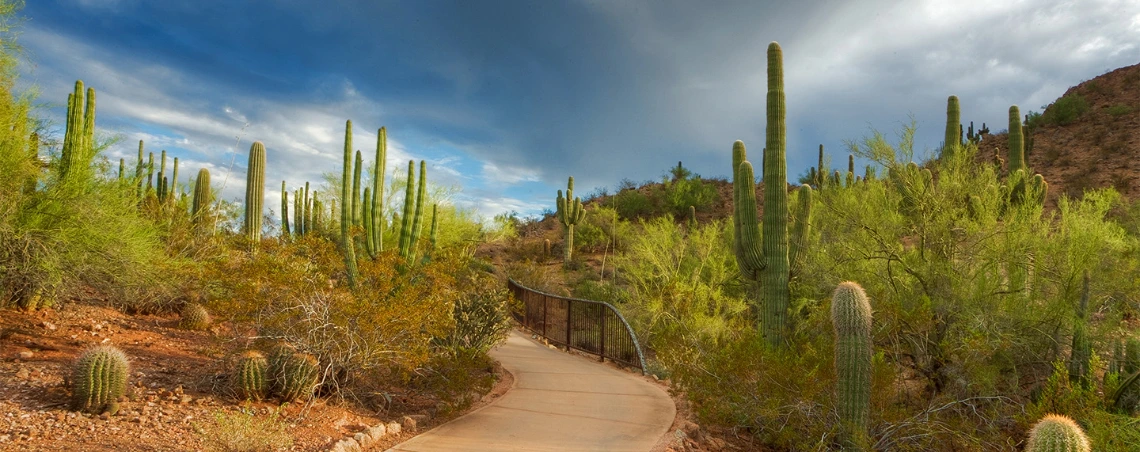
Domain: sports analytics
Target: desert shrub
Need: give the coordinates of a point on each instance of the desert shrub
(1065, 110)
(456, 379)
(1119, 110)
(632, 204)
(480, 314)
(291, 293)
(244, 431)
(680, 194)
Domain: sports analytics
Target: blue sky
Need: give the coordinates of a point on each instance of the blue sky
(508, 98)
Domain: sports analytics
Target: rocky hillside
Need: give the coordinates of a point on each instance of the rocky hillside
(1088, 138)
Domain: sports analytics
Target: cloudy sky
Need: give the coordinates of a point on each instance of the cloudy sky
(508, 98)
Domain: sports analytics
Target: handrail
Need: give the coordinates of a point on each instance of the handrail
(578, 324)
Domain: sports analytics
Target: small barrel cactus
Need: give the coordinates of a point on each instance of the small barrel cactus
(195, 317)
(99, 378)
(251, 376)
(1057, 433)
(299, 377)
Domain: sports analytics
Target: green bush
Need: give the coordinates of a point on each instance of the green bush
(480, 313)
(679, 194)
(244, 431)
(633, 204)
(1065, 110)
(1119, 110)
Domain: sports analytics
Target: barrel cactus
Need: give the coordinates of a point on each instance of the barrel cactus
(195, 317)
(1057, 433)
(851, 317)
(292, 375)
(251, 376)
(99, 379)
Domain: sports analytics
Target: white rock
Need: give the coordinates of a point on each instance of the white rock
(394, 428)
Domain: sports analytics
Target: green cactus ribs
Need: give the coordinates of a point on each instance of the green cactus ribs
(254, 192)
(99, 378)
(346, 209)
(1057, 433)
(851, 318)
(250, 378)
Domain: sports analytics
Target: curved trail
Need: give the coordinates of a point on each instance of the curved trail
(559, 402)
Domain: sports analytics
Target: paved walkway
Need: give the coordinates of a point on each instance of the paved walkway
(559, 402)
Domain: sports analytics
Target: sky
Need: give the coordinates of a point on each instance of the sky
(506, 99)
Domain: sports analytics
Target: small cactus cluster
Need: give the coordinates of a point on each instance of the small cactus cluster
(1057, 433)
(195, 317)
(285, 373)
(99, 379)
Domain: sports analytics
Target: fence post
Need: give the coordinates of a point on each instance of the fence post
(545, 300)
(569, 325)
(602, 355)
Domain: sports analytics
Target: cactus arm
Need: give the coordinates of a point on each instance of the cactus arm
(417, 218)
(366, 218)
(801, 229)
(356, 169)
(406, 218)
(378, 190)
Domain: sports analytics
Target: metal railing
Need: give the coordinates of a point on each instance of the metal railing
(591, 326)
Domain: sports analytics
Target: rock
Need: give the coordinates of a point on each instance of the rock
(350, 445)
(362, 438)
(26, 355)
(393, 428)
(716, 444)
(690, 427)
(377, 432)
(23, 374)
(185, 399)
(409, 423)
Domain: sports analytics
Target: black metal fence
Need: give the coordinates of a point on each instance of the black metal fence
(591, 326)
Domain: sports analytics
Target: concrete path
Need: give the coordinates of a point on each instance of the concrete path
(559, 402)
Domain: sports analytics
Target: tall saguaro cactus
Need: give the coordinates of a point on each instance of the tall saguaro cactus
(254, 192)
(345, 210)
(763, 254)
(1016, 141)
(202, 196)
(79, 135)
(418, 217)
(356, 189)
(378, 170)
(569, 212)
(953, 128)
(284, 212)
(851, 318)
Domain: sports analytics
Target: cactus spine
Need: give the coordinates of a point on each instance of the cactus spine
(201, 195)
(254, 192)
(377, 231)
(851, 317)
(1016, 142)
(284, 212)
(251, 378)
(952, 140)
(345, 213)
(1082, 350)
(1057, 433)
(100, 378)
(569, 212)
(763, 254)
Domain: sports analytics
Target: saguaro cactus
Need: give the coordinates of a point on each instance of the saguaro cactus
(1016, 141)
(99, 378)
(345, 212)
(377, 207)
(1057, 433)
(409, 207)
(139, 172)
(821, 172)
(1082, 349)
(417, 219)
(284, 212)
(78, 139)
(366, 217)
(201, 195)
(356, 189)
(569, 212)
(952, 140)
(851, 317)
(801, 229)
(254, 192)
(763, 254)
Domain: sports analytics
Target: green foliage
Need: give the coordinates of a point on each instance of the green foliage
(99, 378)
(480, 314)
(1119, 110)
(1066, 110)
(632, 204)
(194, 317)
(682, 193)
(244, 431)
(250, 377)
